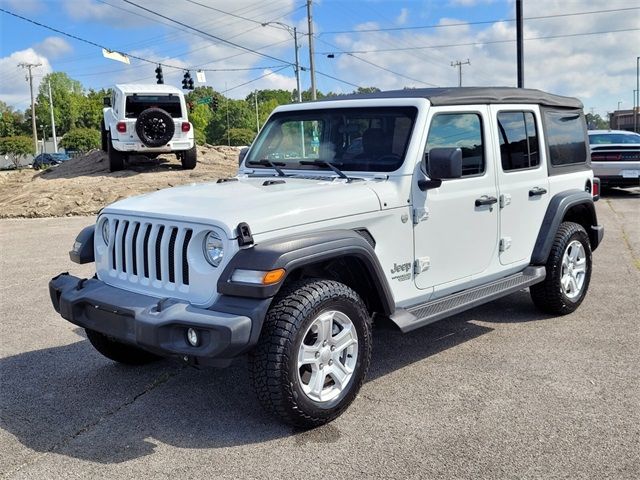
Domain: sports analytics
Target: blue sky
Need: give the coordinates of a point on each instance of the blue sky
(600, 69)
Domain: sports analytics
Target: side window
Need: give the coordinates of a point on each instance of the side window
(518, 140)
(565, 132)
(463, 130)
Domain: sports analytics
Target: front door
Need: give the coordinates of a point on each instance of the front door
(456, 224)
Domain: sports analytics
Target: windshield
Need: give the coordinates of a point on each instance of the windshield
(605, 138)
(353, 139)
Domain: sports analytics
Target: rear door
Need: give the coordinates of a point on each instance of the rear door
(455, 236)
(523, 182)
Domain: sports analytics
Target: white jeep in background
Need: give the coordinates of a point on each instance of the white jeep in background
(409, 206)
(146, 119)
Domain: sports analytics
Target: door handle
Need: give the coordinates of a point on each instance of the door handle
(534, 192)
(486, 200)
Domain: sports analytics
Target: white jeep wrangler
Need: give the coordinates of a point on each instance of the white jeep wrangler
(146, 120)
(409, 205)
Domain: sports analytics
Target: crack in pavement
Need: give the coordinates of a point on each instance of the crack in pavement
(161, 380)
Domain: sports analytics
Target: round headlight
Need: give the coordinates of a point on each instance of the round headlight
(105, 231)
(213, 248)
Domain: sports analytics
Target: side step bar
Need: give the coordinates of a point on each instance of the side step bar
(423, 314)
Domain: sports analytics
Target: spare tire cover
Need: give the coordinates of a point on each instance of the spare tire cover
(155, 127)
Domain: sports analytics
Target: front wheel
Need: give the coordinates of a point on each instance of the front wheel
(119, 352)
(313, 353)
(568, 271)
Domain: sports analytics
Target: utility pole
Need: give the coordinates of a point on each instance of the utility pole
(636, 99)
(255, 97)
(227, 104)
(519, 43)
(459, 65)
(311, 54)
(619, 102)
(29, 66)
(53, 122)
(295, 40)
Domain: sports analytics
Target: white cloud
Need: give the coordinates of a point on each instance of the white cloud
(401, 19)
(14, 89)
(599, 69)
(53, 47)
(468, 3)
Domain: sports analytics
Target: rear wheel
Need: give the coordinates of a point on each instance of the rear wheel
(189, 158)
(116, 158)
(103, 136)
(568, 272)
(313, 353)
(119, 352)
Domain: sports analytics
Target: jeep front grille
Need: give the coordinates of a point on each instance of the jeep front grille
(151, 251)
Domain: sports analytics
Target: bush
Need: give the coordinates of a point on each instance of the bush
(199, 136)
(81, 139)
(17, 147)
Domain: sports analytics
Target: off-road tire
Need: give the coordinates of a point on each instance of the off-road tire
(273, 362)
(116, 158)
(155, 127)
(103, 137)
(119, 352)
(548, 295)
(189, 158)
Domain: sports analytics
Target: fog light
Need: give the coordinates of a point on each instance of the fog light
(192, 337)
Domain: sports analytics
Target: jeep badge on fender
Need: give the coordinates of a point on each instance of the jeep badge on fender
(290, 261)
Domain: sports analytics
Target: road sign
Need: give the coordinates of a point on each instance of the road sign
(204, 100)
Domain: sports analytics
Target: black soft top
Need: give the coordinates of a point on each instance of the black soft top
(472, 96)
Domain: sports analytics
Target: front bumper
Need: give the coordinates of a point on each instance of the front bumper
(160, 326)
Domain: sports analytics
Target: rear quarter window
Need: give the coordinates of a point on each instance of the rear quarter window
(566, 136)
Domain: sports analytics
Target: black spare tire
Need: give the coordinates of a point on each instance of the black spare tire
(155, 127)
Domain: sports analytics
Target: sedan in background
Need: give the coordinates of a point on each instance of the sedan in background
(615, 157)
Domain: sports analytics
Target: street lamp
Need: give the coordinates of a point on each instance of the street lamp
(294, 32)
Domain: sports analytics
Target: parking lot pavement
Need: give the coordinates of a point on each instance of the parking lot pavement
(499, 391)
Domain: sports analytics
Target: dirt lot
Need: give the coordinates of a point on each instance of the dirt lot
(84, 185)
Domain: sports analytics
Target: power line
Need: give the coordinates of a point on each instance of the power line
(378, 66)
(424, 47)
(233, 44)
(89, 42)
(481, 22)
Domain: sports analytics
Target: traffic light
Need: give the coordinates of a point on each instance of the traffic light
(159, 77)
(214, 103)
(187, 82)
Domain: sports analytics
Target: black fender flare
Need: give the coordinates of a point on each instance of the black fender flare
(82, 251)
(558, 207)
(291, 253)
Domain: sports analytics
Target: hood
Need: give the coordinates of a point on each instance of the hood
(296, 201)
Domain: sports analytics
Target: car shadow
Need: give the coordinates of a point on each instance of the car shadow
(71, 401)
(633, 192)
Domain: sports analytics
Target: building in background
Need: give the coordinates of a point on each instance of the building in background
(621, 120)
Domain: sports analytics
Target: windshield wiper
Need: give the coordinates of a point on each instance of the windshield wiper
(325, 163)
(268, 163)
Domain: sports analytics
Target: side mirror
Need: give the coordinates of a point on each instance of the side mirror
(106, 101)
(440, 164)
(242, 154)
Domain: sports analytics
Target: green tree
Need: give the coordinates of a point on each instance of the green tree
(81, 139)
(90, 108)
(16, 147)
(239, 114)
(200, 117)
(68, 100)
(11, 121)
(596, 122)
(241, 136)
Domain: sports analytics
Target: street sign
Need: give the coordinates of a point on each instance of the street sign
(204, 100)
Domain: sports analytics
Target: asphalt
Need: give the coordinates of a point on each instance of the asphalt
(501, 391)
